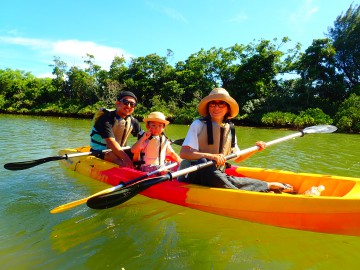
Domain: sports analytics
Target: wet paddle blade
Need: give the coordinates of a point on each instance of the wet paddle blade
(73, 204)
(320, 129)
(67, 206)
(124, 194)
(22, 165)
(17, 166)
(178, 141)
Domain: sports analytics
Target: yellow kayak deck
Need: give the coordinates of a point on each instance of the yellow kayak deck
(336, 211)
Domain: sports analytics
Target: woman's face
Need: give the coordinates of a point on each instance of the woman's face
(218, 109)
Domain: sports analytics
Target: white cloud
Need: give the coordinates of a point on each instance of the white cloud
(46, 75)
(78, 49)
(28, 42)
(238, 18)
(70, 51)
(168, 11)
(304, 12)
(174, 14)
(300, 19)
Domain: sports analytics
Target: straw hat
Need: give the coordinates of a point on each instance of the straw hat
(156, 117)
(219, 94)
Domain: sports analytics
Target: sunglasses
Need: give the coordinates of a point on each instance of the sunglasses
(220, 104)
(127, 103)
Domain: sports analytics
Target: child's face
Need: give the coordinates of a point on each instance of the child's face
(156, 128)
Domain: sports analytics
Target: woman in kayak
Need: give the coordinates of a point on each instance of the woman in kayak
(212, 137)
(151, 149)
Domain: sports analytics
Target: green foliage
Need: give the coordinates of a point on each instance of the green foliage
(356, 89)
(186, 115)
(320, 81)
(2, 102)
(59, 71)
(88, 111)
(346, 40)
(312, 117)
(254, 76)
(348, 117)
(278, 119)
(145, 77)
(51, 108)
(82, 86)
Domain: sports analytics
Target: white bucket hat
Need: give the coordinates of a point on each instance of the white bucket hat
(219, 94)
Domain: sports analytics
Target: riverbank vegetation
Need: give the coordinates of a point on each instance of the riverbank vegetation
(274, 82)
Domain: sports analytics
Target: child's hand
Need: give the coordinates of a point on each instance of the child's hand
(147, 135)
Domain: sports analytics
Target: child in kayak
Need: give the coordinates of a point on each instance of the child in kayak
(151, 149)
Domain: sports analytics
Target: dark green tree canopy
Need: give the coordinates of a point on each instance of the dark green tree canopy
(345, 35)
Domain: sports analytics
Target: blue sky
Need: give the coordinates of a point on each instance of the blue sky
(33, 32)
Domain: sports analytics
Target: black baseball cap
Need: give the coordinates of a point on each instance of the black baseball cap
(126, 94)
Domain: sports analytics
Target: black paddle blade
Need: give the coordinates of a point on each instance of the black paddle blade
(124, 194)
(178, 141)
(16, 166)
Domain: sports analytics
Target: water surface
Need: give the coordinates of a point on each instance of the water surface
(148, 234)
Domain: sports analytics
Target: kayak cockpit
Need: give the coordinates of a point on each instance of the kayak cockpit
(335, 186)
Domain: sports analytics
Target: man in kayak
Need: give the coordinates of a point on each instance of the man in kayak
(111, 129)
(212, 137)
(151, 149)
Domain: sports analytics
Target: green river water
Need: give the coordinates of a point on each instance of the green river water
(145, 233)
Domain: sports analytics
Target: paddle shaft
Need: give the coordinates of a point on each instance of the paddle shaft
(122, 195)
(22, 165)
(234, 155)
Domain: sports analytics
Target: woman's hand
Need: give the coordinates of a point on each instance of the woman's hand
(218, 158)
(261, 145)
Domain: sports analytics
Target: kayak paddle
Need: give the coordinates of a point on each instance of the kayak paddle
(119, 196)
(178, 141)
(70, 205)
(22, 165)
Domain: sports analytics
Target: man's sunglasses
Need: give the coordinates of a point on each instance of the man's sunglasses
(127, 103)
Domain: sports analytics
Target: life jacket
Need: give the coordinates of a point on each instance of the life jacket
(216, 139)
(121, 129)
(212, 139)
(154, 153)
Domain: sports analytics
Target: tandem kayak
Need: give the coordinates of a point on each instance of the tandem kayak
(335, 211)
